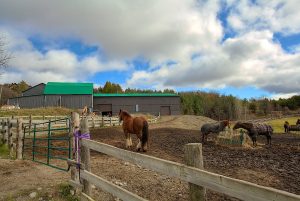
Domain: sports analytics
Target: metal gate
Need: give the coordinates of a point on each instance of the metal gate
(48, 143)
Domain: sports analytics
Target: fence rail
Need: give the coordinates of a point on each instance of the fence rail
(233, 187)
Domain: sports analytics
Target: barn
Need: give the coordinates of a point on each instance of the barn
(56, 94)
(78, 95)
(156, 104)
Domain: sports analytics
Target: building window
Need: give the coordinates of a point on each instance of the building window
(136, 108)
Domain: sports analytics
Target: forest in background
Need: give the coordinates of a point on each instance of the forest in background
(210, 104)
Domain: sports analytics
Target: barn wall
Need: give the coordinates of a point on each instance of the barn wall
(69, 101)
(76, 101)
(31, 101)
(36, 90)
(52, 101)
(149, 105)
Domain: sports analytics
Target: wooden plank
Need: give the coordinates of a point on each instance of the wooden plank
(110, 187)
(75, 184)
(85, 197)
(233, 187)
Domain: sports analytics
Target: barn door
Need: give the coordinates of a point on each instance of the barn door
(104, 109)
(165, 110)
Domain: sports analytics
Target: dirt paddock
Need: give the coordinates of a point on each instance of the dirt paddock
(276, 166)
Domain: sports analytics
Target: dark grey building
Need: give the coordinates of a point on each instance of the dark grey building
(79, 95)
(56, 94)
(163, 104)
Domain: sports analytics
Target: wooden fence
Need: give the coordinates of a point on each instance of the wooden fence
(195, 176)
(12, 135)
(93, 121)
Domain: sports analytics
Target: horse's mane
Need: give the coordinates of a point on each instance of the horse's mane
(125, 113)
(246, 124)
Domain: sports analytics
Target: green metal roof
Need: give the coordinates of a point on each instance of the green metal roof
(134, 95)
(68, 88)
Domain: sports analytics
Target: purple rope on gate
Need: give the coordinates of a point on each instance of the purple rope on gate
(78, 135)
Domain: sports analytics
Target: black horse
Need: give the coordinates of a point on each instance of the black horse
(286, 127)
(294, 127)
(213, 128)
(256, 129)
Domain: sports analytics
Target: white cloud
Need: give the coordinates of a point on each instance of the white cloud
(274, 15)
(31, 65)
(251, 59)
(159, 31)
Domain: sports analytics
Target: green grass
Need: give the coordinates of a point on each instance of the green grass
(4, 151)
(51, 111)
(64, 192)
(277, 124)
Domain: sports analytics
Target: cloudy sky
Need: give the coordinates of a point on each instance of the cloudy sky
(248, 48)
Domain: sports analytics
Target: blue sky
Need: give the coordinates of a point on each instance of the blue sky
(239, 47)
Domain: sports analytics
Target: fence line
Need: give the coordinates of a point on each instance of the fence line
(233, 187)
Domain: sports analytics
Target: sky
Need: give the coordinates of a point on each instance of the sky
(247, 48)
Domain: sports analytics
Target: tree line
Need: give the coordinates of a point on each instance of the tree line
(210, 104)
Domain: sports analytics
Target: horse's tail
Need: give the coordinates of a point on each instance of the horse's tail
(145, 135)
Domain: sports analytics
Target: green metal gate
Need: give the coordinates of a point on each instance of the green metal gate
(48, 143)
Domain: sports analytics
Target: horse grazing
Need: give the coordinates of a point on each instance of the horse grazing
(255, 129)
(286, 126)
(135, 125)
(294, 127)
(213, 128)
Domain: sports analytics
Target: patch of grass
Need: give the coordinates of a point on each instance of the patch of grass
(65, 193)
(277, 124)
(37, 111)
(4, 151)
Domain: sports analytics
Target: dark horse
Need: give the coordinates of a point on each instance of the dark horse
(213, 128)
(286, 126)
(135, 125)
(295, 127)
(255, 129)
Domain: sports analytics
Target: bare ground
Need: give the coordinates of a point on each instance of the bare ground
(276, 166)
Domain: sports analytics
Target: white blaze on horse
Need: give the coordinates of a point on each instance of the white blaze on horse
(135, 125)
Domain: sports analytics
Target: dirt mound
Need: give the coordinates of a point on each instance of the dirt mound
(190, 122)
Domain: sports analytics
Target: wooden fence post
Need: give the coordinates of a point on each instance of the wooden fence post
(85, 157)
(10, 139)
(30, 124)
(19, 139)
(3, 132)
(102, 122)
(93, 122)
(74, 125)
(193, 157)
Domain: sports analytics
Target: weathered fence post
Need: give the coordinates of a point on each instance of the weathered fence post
(110, 121)
(93, 122)
(10, 139)
(85, 157)
(30, 123)
(19, 139)
(193, 157)
(2, 131)
(74, 125)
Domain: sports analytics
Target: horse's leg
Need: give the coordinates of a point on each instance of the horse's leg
(139, 145)
(129, 140)
(126, 139)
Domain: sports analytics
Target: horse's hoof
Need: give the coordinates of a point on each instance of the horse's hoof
(138, 149)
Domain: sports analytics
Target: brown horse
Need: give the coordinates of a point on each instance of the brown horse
(135, 125)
